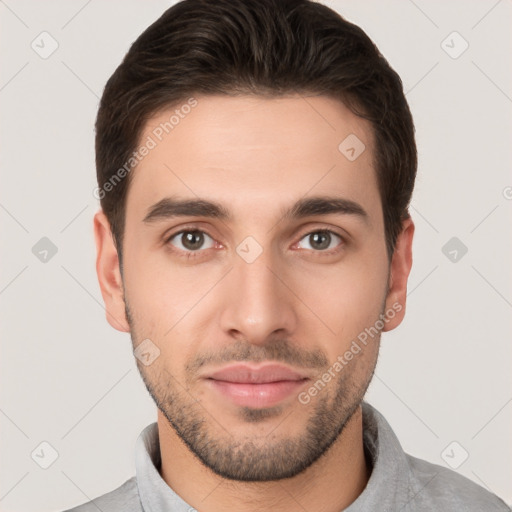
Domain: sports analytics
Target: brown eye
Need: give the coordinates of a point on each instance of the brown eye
(322, 240)
(190, 240)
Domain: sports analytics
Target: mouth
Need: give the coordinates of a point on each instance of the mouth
(256, 387)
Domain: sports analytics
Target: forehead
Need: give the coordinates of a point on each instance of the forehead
(247, 151)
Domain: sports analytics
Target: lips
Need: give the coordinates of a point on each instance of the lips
(256, 387)
(246, 374)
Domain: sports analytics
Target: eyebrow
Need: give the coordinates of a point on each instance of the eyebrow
(170, 207)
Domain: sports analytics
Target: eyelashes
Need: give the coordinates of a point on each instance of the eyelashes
(190, 242)
(192, 236)
(325, 235)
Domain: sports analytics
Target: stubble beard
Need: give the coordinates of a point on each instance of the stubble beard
(234, 456)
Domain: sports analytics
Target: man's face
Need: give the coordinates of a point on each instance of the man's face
(260, 286)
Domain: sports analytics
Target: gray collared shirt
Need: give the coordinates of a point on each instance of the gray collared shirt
(398, 481)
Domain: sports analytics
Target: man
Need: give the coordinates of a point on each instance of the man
(255, 165)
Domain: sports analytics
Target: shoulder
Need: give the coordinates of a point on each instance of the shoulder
(435, 487)
(123, 499)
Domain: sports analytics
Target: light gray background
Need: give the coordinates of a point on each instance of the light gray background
(69, 379)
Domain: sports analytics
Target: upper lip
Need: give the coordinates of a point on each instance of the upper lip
(243, 373)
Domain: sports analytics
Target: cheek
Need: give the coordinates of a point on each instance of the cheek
(160, 290)
(348, 296)
(177, 306)
(167, 304)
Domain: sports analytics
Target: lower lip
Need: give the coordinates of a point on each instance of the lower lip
(257, 395)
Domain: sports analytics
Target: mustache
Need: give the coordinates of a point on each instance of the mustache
(280, 350)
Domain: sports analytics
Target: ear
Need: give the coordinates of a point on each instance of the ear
(401, 264)
(109, 273)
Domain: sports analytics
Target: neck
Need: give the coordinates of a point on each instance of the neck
(331, 484)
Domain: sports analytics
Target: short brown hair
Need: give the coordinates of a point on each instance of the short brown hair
(269, 48)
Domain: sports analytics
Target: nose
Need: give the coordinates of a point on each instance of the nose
(258, 303)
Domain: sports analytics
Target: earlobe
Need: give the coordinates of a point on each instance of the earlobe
(109, 273)
(400, 267)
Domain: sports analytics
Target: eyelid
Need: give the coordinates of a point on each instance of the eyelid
(324, 230)
(307, 231)
(188, 230)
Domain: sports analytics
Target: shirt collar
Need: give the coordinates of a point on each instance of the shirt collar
(388, 487)
(155, 495)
